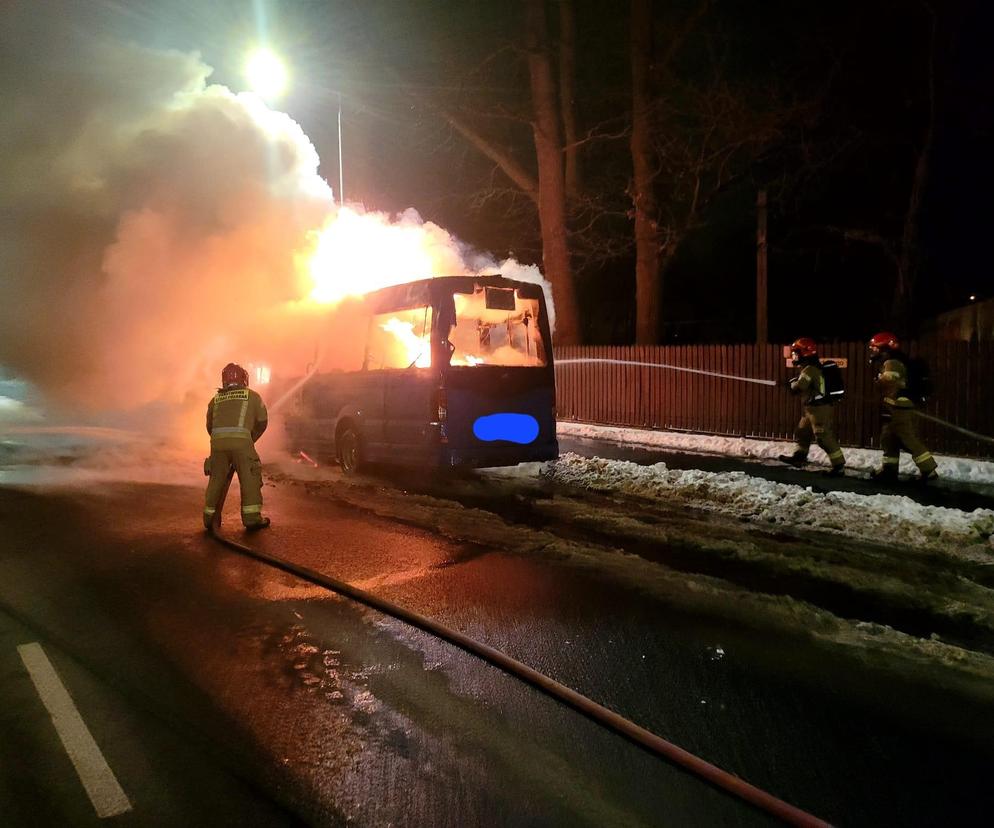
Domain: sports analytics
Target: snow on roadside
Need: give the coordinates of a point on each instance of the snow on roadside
(947, 665)
(888, 518)
(79, 455)
(964, 469)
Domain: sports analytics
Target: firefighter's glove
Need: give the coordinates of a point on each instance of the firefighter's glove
(788, 383)
(207, 467)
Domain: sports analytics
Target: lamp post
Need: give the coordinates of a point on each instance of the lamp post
(341, 172)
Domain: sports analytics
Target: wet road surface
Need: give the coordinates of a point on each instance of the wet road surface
(222, 692)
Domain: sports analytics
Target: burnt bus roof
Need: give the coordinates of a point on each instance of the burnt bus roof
(428, 291)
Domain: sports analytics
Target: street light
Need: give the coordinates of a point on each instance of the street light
(266, 74)
(267, 77)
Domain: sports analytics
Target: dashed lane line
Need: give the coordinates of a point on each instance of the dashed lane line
(98, 779)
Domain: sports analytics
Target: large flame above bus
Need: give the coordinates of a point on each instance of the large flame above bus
(356, 252)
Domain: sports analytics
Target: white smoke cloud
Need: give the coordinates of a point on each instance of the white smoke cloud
(143, 234)
(152, 227)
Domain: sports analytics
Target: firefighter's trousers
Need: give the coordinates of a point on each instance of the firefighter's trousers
(817, 425)
(248, 467)
(899, 432)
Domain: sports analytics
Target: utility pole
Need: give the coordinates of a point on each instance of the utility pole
(762, 322)
(341, 168)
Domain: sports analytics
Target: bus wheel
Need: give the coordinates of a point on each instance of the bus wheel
(349, 451)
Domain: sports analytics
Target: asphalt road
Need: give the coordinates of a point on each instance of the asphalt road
(222, 692)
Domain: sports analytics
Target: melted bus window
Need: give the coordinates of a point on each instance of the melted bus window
(399, 339)
(496, 327)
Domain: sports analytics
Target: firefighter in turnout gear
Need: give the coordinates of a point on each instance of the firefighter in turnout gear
(898, 411)
(816, 424)
(236, 418)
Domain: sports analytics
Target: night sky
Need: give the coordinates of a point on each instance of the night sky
(853, 75)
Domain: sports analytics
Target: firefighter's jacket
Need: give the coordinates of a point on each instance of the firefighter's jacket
(236, 417)
(892, 381)
(810, 385)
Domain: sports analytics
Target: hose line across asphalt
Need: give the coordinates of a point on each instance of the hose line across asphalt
(598, 713)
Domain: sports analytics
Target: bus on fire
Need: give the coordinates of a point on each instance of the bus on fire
(457, 371)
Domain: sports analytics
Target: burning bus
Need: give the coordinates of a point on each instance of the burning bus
(456, 371)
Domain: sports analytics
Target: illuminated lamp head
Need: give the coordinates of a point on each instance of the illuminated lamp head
(266, 74)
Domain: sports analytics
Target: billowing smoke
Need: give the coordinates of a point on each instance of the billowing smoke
(155, 227)
(149, 220)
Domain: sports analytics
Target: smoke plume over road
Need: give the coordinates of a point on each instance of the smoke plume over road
(155, 226)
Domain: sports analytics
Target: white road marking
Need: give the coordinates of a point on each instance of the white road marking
(101, 785)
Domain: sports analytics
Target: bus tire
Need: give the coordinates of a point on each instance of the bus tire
(350, 451)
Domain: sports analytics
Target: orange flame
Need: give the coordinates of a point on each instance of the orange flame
(416, 349)
(357, 252)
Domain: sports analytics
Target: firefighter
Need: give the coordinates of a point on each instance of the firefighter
(898, 411)
(816, 424)
(236, 418)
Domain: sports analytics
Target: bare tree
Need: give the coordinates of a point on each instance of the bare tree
(714, 134)
(485, 129)
(688, 140)
(899, 245)
(691, 139)
(647, 288)
(567, 95)
(909, 259)
(551, 180)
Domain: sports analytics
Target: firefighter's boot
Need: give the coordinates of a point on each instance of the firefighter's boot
(262, 523)
(885, 474)
(795, 460)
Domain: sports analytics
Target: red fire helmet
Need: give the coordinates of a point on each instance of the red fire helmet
(885, 339)
(804, 346)
(233, 374)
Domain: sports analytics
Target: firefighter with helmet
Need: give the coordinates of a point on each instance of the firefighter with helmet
(816, 424)
(898, 411)
(236, 418)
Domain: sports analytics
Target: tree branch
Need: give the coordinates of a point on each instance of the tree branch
(870, 237)
(507, 163)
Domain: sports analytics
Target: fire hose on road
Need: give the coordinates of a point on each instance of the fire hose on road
(641, 737)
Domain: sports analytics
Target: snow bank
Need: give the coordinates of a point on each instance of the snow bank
(79, 455)
(963, 469)
(888, 518)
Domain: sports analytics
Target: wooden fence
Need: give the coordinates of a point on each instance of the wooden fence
(668, 398)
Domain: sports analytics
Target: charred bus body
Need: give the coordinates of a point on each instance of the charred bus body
(457, 372)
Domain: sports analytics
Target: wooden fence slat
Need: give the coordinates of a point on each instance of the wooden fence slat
(705, 390)
(641, 396)
(688, 394)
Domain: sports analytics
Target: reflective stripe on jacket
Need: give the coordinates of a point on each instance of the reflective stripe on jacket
(236, 414)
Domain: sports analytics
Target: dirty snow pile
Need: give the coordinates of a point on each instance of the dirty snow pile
(964, 469)
(888, 518)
